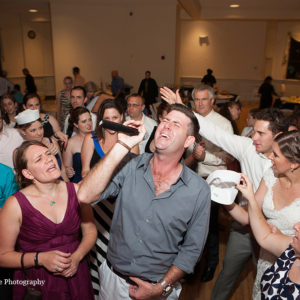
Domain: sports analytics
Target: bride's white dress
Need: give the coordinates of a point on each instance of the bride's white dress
(284, 219)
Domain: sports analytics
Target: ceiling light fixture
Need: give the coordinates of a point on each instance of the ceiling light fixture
(33, 10)
(234, 5)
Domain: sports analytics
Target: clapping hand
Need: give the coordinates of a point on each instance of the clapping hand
(169, 96)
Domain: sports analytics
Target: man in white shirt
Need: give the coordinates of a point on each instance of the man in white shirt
(10, 139)
(213, 158)
(78, 98)
(253, 157)
(135, 107)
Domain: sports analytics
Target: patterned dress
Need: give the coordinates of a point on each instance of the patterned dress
(276, 284)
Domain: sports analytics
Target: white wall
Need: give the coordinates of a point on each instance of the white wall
(235, 48)
(241, 53)
(18, 51)
(100, 37)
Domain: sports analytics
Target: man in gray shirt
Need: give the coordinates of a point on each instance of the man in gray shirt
(161, 216)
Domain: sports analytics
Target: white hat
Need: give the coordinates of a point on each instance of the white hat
(27, 116)
(222, 186)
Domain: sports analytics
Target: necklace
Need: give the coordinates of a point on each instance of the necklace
(52, 203)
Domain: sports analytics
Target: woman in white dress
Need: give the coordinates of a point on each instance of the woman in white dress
(278, 196)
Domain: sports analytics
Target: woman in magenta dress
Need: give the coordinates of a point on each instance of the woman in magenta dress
(45, 223)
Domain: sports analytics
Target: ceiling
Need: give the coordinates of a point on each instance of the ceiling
(195, 8)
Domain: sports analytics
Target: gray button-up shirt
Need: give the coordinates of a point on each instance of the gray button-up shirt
(150, 233)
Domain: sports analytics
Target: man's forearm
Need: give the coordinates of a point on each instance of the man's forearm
(95, 182)
(173, 275)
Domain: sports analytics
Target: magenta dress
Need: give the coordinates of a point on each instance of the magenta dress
(38, 233)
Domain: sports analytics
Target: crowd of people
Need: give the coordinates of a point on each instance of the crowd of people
(88, 212)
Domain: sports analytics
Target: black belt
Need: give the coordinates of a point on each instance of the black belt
(125, 277)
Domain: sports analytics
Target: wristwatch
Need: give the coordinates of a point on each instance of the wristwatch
(167, 288)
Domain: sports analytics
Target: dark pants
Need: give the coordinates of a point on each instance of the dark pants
(212, 242)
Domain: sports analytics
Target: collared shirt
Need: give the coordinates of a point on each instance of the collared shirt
(8, 184)
(215, 157)
(150, 233)
(149, 124)
(253, 164)
(10, 139)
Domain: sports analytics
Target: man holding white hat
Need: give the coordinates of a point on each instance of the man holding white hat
(253, 157)
(213, 158)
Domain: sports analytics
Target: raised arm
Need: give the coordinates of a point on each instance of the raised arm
(274, 242)
(169, 96)
(57, 131)
(98, 178)
(87, 151)
(68, 159)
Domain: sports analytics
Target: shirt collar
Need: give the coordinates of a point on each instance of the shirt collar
(145, 161)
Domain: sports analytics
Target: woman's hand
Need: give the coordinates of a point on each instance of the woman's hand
(72, 269)
(246, 188)
(70, 172)
(63, 137)
(55, 261)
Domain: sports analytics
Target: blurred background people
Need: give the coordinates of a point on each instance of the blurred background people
(29, 82)
(266, 92)
(10, 109)
(63, 101)
(148, 89)
(78, 79)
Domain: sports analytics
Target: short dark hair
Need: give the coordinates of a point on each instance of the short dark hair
(79, 88)
(136, 95)
(275, 117)
(163, 106)
(194, 126)
(289, 145)
(76, 113)
(76, 70)
(29, 96)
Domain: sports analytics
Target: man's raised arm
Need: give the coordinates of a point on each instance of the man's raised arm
(95, 182)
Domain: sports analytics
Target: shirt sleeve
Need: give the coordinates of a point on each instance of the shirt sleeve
(195, 238)
(233, 144)
(219, 156)
(9, 187)
(114, 187)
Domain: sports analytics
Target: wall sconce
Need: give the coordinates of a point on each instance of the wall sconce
(203, 39)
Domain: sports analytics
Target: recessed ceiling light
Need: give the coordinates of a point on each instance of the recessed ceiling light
(234, 5)
(32, 10)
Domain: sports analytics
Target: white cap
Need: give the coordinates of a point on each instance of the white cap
(27, 116)
(222, 186)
